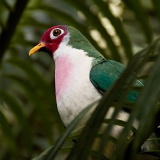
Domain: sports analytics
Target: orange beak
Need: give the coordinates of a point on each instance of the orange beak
(36, 48)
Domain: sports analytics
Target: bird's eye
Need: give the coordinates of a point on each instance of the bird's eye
(56, 32)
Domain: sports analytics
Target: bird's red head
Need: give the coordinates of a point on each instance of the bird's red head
(50, 40)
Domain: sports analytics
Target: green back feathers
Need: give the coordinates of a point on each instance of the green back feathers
(104, 74)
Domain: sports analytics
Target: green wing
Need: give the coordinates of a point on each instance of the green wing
(104, 74)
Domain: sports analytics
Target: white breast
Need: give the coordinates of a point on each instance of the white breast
(74, 90)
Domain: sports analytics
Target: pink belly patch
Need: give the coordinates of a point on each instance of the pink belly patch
(62, 74)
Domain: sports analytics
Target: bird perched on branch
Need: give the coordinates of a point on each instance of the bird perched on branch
(82, 74)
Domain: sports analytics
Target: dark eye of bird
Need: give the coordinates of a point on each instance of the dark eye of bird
(56, 32)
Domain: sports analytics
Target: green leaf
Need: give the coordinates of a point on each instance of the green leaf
(156, 6)
(19, 114)
(141, 15)
(35, 99)
(104, 8)
(8, 133)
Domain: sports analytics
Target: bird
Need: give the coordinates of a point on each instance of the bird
(82, 73)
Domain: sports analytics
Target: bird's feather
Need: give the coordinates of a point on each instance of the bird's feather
(105, 73)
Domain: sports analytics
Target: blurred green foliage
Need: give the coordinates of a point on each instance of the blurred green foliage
(29, 120)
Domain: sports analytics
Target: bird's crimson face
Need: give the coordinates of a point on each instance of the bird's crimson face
(50, 40)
